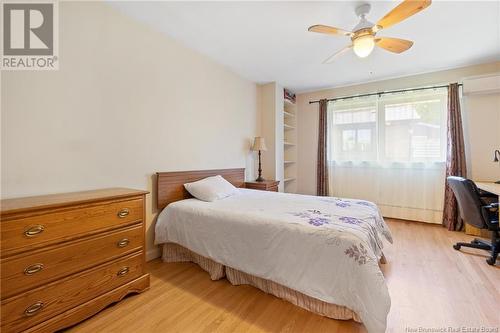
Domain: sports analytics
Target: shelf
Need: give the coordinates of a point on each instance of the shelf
(288, 127)
(288, 143)
(288, 179)
(288, 162)
(288, 114)
(289, 102)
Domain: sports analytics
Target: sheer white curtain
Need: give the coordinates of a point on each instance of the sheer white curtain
(390, 149)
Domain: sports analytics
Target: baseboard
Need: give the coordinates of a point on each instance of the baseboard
(153, 253)
(412, 214)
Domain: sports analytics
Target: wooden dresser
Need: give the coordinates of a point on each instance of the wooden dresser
(65, 257)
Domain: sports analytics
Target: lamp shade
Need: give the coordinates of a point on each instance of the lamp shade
(259, 144)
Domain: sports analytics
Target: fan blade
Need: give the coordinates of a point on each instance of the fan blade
(404, 10)
(324, 29)
(395, 45)
(336, 54)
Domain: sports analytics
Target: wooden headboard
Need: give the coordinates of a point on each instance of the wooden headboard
(170, 185)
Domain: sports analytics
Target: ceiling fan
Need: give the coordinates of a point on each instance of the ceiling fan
(363, 35)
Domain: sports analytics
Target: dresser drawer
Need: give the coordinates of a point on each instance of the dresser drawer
(266, 185)
(26, 233)
(27, 271)
(32, 307)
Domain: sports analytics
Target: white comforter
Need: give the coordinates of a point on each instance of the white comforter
(325, 247)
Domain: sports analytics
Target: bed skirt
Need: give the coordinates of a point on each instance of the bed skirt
(175, 253)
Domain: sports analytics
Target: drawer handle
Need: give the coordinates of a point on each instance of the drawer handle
(122, 243)
(123, 271)
(33, 309)
(123, 213)
(30, 270)
(34, 230)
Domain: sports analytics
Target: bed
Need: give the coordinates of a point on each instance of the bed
(320, 253)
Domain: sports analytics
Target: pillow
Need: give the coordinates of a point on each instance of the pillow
(211, 188)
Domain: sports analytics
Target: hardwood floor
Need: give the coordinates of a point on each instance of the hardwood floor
(431, 286)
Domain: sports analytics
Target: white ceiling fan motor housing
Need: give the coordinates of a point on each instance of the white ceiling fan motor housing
(361, 12)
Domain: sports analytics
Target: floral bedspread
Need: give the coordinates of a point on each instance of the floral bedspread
(325, 247)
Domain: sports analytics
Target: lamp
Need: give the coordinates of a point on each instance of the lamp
(363, 45)
(496, 159)
(259, 144)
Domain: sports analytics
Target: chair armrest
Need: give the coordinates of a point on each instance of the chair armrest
(490, 215)
(493, 207)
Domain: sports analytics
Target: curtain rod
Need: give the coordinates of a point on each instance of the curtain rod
(382, 93)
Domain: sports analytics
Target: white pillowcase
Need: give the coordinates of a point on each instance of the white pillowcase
(211, 188)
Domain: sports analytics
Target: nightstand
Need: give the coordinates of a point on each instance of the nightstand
(266, 185)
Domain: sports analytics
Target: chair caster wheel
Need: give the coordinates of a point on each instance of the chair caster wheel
(490, 261)
(456, 247)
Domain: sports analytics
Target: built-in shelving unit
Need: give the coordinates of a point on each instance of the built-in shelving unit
(290, 145)
(279, 128)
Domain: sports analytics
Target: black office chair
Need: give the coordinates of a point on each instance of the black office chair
(478, 213)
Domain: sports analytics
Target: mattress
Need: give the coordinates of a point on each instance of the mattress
(324, 247)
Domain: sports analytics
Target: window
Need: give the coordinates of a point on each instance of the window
(398, 127)
(353, 129)
(357, 140)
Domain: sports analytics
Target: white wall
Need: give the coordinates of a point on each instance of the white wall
(480, 114)
(270, 99)
(126, 102)
(482, 133)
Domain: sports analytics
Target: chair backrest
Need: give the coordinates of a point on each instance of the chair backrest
(469, 201)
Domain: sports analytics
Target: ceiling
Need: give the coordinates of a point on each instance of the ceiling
(268, 41)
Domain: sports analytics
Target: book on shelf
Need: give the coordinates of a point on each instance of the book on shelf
(289, 96)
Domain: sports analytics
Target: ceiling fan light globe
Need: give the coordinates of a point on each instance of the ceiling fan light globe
(363, 46)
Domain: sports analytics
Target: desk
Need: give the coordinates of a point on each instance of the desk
(489, 187)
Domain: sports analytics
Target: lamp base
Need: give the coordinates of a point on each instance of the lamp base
(260, 179)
